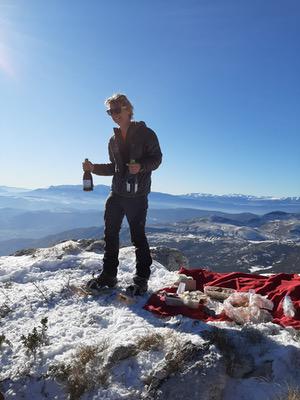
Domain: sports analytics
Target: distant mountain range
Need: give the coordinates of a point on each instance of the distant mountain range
(41, 216)
(44, 228)
(72, 196)
(223, 242)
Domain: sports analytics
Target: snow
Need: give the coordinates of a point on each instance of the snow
(36, 286)
(237, 195)
(258, 268)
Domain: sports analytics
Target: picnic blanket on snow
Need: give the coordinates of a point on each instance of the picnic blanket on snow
(275, 287)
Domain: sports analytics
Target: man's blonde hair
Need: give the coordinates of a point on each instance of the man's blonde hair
(119, 99)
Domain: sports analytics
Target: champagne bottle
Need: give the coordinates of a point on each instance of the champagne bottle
(87, 180)
(132, 182)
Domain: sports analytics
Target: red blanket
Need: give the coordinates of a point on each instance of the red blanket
(275, 287)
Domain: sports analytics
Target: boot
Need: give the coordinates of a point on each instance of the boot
(139, 287)
(103, 280)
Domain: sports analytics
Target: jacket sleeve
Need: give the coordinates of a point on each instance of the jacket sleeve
(152, 157)
(105, 169)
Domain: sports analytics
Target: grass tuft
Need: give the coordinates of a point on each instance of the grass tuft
(152, 341)
(291, 394)
(85, 372)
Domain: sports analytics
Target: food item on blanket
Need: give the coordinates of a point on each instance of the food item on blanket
(185, 285)
(173, 299)
(189, 299)
(240, 302)
(193, 299)
(275, 285)
(181, 288)
(190, 283)
(182, 278)
(217, 292)
(243, 307)
(288, 307)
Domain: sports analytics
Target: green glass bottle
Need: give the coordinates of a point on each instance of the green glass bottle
(132, 181)
(87, 181)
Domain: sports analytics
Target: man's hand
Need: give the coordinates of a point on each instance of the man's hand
(134, 168)
(88, 166)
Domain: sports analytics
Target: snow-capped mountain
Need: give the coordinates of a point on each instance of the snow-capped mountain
(240, 196)
(56, 344)
(72, 196)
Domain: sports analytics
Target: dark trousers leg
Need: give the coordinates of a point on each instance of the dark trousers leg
(113, 217)
(136, 212)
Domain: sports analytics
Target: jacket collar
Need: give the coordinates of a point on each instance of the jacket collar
(133, 127)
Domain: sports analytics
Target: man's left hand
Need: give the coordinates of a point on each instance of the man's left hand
(134, 168)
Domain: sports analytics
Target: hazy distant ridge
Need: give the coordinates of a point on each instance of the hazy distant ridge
(72, 196)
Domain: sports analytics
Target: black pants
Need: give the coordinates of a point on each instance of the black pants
(135, 210)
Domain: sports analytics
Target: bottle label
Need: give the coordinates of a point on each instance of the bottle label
(87, 183)
(131, 186)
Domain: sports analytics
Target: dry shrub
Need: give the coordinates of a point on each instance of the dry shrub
(85, 372)
(91, 365)
(151, 341)
(177, 356)
(86, 354)
(121, 352)
(291, 394)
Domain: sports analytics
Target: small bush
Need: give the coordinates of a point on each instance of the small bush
(91, 365)
(175, 360)
(147, 342)
(36, 338)
(179, 354)
(4, 340)
(85, 372)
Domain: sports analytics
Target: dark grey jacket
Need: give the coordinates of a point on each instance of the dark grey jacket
(143, 147)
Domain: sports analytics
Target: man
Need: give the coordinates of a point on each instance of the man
(134, 153)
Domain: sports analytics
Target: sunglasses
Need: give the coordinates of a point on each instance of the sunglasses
(116, 110)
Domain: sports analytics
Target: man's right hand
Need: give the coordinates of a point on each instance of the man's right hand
(88, 166)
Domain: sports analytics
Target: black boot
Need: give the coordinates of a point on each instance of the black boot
(139, 287)
(103, 280)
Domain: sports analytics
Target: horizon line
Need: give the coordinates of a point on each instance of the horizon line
(192, 194)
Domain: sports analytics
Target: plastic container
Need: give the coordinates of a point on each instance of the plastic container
(243, 307)
(288, 307)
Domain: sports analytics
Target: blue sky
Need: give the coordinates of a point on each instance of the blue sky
(217, 80)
